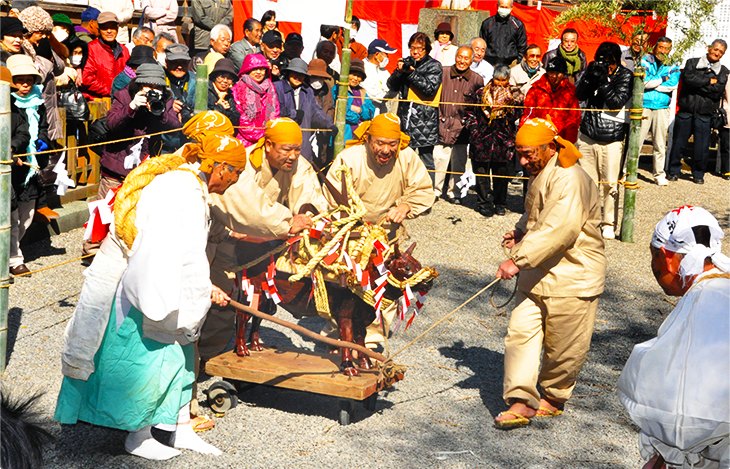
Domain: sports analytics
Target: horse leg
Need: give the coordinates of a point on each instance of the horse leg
(344, 321)
(240, 346)
(359, 331)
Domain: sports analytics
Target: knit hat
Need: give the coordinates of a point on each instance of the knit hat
(557, 64)
(297, 65)
(318, 68)
(36, 19)
(9, 25)
(150, 74)
(176, 51)
(90, 14)
(21, 64)
(141, 55)
(221, 67)
(357, 67)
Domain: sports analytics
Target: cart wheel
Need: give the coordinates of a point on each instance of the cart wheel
(371, 402)
(222, 396)
(346, 411)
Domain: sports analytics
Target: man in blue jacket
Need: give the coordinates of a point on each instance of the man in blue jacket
(660, 82)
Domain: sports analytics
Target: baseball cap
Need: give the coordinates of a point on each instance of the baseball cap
(107, 17)
(294, 37)
(271, 37)
(177, 52)
(379, 45)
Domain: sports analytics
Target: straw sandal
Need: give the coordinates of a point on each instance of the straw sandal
(518, 421)
(547, 412)
(202, 423)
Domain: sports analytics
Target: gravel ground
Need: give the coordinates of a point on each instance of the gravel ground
(441, 414)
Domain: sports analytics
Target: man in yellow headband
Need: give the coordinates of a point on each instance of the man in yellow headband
(557, 249)
(391, 180)
(145, 296)
(263, 205)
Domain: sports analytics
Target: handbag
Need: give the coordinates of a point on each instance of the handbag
(71, 99)
(719, 118)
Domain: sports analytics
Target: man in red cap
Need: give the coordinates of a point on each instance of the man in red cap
(557, 249)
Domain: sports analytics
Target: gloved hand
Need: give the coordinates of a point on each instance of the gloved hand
(40, 145)
(335, 131)
(140, 100)
(299, 117)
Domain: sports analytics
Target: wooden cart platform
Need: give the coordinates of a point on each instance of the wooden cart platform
(292, 369)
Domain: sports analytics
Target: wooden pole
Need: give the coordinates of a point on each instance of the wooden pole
(632, 164)
(5, 188)
(341, 104)
(201, 89)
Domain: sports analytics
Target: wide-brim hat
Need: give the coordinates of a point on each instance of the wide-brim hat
(141, 55)
(357, 67)
(298, 65)
(21, 64)
(223, 66)
(151, 74)
(318, 68)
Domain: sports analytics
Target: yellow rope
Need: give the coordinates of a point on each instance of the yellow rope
(621, 182)
(48, 267)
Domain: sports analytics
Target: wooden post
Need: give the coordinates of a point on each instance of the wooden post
(632, 163)
(5, 188)
(341, 104)
(201, 89)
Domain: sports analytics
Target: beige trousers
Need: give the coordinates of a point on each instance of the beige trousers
(442, 156)
(656, 120)
(20, 221)
(602, 162)
(560, 330)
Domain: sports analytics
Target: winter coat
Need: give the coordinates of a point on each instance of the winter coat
(256, 103)
(124, 9)
(24, 189)
(208, 13)
(309, 115)
(354, 119)
(495, 140)
(48, 70)
(541, 95)
(183, 89)
(660, 82)
(121, 81)
(419, 121)
(232, 113)
(505, 37)
(162, 14)
(549, 55)
(102, 66)
(611, 92)
(518, 77)
(239, 50)
(123, 122)
(456, 89)
(697, 96)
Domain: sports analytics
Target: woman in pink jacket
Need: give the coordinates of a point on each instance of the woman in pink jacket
(255, 98)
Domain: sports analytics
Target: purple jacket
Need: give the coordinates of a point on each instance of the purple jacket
(312, 115)
(123, 122)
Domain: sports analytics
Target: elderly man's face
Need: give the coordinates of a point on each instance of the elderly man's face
(480, 48)
(178, 68)
(254, 36)
(282, 155)
(144, 39)
(662, 50)
(715, 53)
(162, 44)
(108, 31)
(222, 43)
(383, 149)
(463, 58)
(535, 158)
(639, 42)
(293, 49)
(569, 42)
(665, 265)
(327, 52)
(533, 57)
(222, 177)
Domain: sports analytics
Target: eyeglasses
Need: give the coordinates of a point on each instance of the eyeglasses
(417, 48)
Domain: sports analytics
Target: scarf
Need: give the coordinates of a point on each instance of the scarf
(530, 71)
(130, 72)
(494, 98)
(31, 103)
(258, 98)
(704, 63)
(437, 49)
(572, 59)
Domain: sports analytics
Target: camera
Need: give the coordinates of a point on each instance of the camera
(409, 62)
(155, 103)
(598, 68)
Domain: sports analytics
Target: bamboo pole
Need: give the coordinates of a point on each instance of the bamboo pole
(5, 188)
(632, 164)
(201, 89)
(341, 104)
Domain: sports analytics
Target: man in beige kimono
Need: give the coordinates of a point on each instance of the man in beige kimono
(276, 184)
(558, 251)
(392, 182)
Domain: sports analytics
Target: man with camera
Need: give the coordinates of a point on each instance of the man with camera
(181, 82)
(606, 84)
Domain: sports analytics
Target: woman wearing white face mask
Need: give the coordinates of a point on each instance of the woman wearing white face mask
(505, 36)
(321, 83)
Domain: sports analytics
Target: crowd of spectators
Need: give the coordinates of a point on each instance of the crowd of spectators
(458, 103)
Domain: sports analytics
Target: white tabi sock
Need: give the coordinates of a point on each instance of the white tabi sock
(142, 444)
(186, 438)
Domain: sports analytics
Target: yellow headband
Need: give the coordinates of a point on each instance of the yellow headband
(281, 130)
(205, 123)
(383, 126)
(536, 132)
(216, 149)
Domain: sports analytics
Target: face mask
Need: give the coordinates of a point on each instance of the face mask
(504, 12)
(161, 59)
(384, 62)
(76, 60)
(60, 34)
(316, 84)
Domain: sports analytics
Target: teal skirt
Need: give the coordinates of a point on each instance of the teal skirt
(136, 382)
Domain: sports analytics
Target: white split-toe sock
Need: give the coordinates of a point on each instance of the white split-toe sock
(186, 438)
(142, 444)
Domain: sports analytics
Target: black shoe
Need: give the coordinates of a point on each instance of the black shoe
(672, 177)
(486, 212)
(725, 177)
(21, 269)
(86, 261)
(455, 201)
(500, 210)
(699, 180)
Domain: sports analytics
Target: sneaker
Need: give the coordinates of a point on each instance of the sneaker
(608, 232)
(661, 181)
(486, 212)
